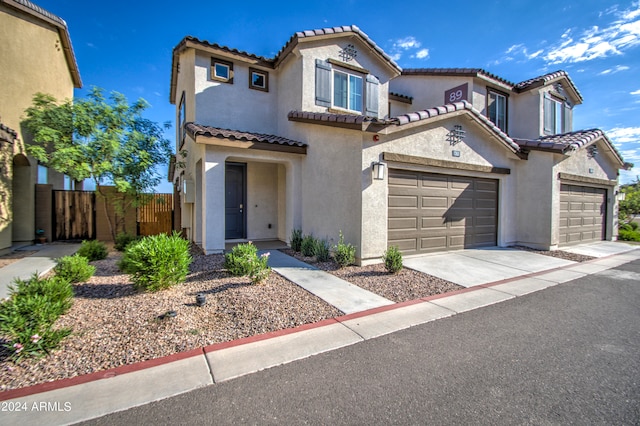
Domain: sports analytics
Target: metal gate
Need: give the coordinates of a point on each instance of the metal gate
(74, 215)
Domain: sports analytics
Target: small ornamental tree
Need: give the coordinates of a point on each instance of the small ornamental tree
(629, 208)
(103, 139)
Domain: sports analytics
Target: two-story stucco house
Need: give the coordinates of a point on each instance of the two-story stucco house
(332, 135)
(37, 56)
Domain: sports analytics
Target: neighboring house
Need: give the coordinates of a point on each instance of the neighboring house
(37, 56)
(332, 135)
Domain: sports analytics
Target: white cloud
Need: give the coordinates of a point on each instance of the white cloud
(407, 44)
(622, 135)
(614, 70)
(635, 92)
(597, 42)
(422, 54)
(626, 141)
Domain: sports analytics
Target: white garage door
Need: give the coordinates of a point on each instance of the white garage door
(431, 212)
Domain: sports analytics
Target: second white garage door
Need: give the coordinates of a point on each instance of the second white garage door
(431, 212)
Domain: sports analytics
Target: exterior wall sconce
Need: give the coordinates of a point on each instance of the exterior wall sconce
(378, 170)
(456, 135)
(621, 196)
(592, 151)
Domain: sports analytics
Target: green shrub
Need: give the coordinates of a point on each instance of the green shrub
(27, 318)
(93, 250)
(625, 235)
(75, 269)
(625, 227)
(634, 225)
(123, 239)
(344, 254)
(243, 260)
(296, 239)
(158, 261)
(308, 245)
(322, 251)
(393, 260)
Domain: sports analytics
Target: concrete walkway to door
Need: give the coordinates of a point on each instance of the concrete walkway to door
(473, 267)
(333, 290)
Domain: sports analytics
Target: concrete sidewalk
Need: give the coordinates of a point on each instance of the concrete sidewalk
(85, 397)
(41, 263)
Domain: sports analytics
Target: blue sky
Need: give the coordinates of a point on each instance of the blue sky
(126, 46)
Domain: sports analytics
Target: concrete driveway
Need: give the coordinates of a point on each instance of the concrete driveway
(474, 267)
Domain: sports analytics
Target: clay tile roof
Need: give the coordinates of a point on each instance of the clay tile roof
(336, 30)
(7, 134)
(544, 79)
(460, 72)
(567, 142)
(196, 129)
(355, 120)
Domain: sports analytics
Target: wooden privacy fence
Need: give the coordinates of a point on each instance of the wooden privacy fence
(74, 215)
(155, 214)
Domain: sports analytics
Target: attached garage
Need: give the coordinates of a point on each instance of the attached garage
(582, 214)
(431, 212)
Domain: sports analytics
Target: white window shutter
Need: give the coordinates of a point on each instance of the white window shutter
(323, 83)
(372, 93)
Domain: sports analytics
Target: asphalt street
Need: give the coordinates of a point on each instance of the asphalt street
(568, 354)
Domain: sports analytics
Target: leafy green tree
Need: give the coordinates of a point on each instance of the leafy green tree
(103, 139)
(629, 208)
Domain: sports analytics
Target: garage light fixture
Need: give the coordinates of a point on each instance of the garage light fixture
(378, 170)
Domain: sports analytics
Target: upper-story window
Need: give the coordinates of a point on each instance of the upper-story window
(181, 119)
(221, 70)
(557, 115)
(497, 109)
(258, 79)
(347, 91)
(337, 86)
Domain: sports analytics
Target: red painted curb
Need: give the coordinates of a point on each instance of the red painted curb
(98, 375)
(266, 336)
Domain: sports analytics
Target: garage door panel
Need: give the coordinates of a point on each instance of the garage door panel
(403, 179)
(453, 212)
(403, 201)
(406, 223)
(428, 201)
(582, 214)
(433, 223)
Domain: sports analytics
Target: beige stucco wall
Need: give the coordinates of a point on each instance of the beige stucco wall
(322, 49)
(430, 141)
(234, 105)
(538, 196)
(32, 61)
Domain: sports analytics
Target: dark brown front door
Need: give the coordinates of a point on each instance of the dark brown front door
(235, 201)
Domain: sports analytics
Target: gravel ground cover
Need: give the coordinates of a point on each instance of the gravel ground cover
(405, 285)
(559, 254)
(115, 325)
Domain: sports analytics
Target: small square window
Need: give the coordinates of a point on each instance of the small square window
(258, 79)
(221, 70)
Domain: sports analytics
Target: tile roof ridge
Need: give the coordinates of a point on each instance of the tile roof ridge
(213, 131)
(475, 72)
